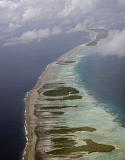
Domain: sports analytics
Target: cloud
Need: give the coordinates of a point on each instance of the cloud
(18, 17)
(114, 44)
(74, 8)
(32, 35)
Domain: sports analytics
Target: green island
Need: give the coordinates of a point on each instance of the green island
(61, 130)
(62, 142)
(53, 107)
(61, 91)
(90, 147)
(72, 97)
(65, 62)
(66, 130)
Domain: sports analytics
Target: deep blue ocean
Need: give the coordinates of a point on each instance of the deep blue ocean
(104, 78)
(20, 67)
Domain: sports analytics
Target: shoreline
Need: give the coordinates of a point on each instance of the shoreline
(29, 96)
(30, 132)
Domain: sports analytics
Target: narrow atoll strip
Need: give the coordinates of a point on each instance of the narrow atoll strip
(65, 122)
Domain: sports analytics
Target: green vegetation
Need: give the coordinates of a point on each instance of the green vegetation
(66, 130)
(59, 107)
(61, 130)
(63, 142)
(95, 147)
(69, 61)
(57, 113)
(65, 62)
(90, 147)
(53, 107)
(61, 91)
(72, 97)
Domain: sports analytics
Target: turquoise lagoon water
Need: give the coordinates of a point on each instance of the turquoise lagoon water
(104, 78)
(91, 111)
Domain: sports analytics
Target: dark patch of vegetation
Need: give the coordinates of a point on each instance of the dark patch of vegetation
(72, 97)
(53, 107)
(66, 130)
(65, 62)
(90, 147)
(63, 142)
(61, 91)
(61, 130)
(69, 61)
(57, 113)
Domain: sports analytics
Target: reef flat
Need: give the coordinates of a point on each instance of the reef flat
(64, 122)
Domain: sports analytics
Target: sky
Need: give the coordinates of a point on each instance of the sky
(26, 21)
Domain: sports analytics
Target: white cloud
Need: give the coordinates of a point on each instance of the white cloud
(29, 36)
(73, 7)
(32, 15)
(114, 44)
(32, 35)
(81, 26)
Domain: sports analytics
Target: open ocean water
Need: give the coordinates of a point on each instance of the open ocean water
(20, 67)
